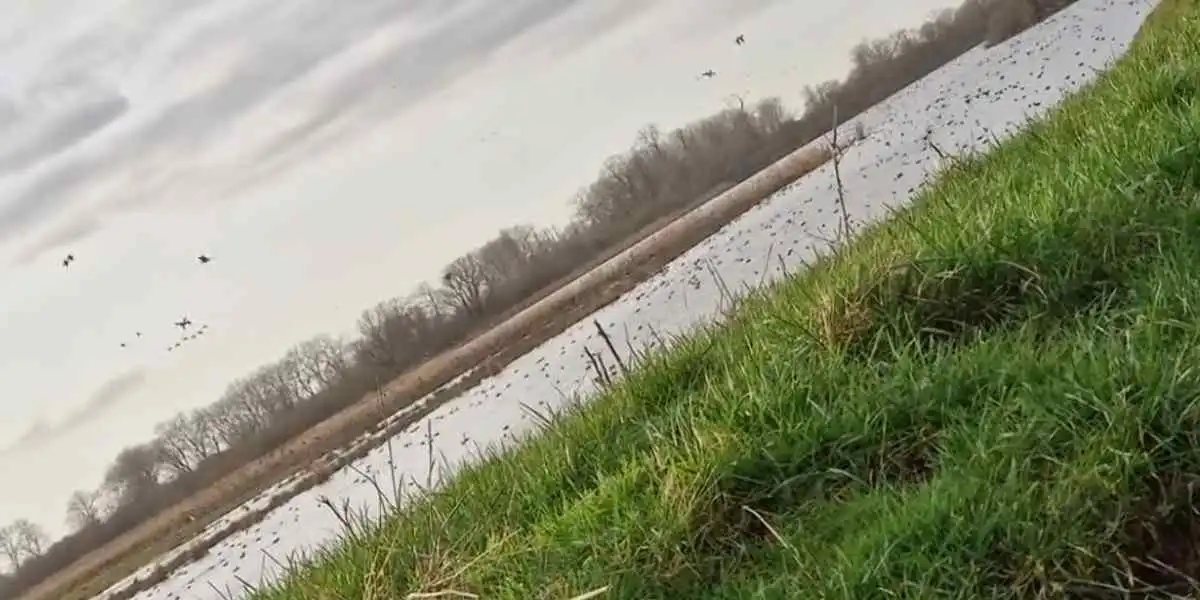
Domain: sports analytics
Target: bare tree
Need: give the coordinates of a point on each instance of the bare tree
(250, 415)
(30, 536)
(84, 510)
(771, 116)
(200, 435)
(225, 419)
(185, 441)
(466, 281)
(384, 337)
(505, 261)
(818, 97)
(10, 546)
(135, 473)
(316, 363)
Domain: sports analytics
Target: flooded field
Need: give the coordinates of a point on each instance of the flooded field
(983, 96)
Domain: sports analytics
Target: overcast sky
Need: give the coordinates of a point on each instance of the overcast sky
(327, 155)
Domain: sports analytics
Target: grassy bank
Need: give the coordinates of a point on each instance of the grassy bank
(994, 394)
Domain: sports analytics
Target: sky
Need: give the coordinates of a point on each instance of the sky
(327, 156)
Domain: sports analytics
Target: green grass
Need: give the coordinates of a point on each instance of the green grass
(995, 394)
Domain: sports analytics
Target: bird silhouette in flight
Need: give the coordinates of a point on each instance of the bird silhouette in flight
(68, 260)
(740, 39)
(204, 259)
(122, 344)
(183, 323)
(709, 74)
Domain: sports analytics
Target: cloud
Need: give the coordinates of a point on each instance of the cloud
(160, 162)
(66, 234)
(289, 42)
(8, 112)
(598, 19)
(36, 137)
(107, 396)
(394, 80)
(35, 431)
(390, 82)
(47, 194)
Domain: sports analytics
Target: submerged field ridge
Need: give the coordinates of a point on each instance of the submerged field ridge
(990, 395)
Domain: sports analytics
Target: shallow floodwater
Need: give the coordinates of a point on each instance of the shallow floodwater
(986, 94)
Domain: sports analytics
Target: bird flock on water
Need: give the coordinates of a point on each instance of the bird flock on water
(183, 323)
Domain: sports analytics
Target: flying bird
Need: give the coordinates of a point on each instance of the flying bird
(204, 259)
(68, 260)
(183, 323)
(709, 74)
(740, 39)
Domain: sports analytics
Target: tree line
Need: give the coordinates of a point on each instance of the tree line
(662, 173)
